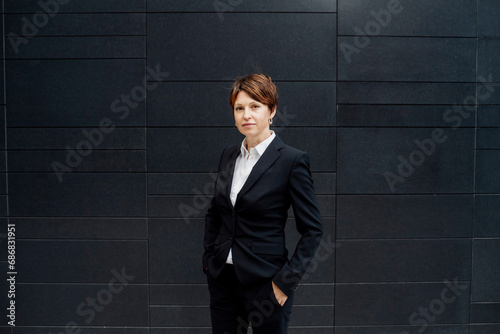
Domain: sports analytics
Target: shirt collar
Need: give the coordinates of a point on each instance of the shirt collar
(259, 148)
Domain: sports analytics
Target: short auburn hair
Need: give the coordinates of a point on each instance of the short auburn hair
(259, 87)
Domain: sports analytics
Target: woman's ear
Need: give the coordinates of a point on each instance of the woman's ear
(273, 112)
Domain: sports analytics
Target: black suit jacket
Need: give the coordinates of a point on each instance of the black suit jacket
(254, 227)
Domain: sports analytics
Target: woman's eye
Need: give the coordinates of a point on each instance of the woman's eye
(256, 106)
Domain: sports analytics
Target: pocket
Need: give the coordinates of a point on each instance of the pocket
(267, 248)
(272, 295)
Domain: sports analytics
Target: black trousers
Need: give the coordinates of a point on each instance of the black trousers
(234, 306)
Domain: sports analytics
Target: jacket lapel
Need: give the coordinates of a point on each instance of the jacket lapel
(231, 164)
(265, 161)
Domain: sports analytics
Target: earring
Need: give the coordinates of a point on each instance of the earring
(270, 121)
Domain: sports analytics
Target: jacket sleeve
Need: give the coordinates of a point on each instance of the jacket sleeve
(308, 223)
(212, 222)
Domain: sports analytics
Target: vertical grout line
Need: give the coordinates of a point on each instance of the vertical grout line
(5, 123)
(474, 170)
(5, 112)
(336, 158)
(148, 287)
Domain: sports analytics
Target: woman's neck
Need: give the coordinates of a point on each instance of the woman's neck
(252, 142)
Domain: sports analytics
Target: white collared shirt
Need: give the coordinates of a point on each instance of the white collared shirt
(242, 168)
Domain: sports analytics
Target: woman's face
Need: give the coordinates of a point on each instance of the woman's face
(252, 117)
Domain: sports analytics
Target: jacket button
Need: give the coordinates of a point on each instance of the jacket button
(231, 238)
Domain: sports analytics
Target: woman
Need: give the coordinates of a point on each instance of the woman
(249, 275)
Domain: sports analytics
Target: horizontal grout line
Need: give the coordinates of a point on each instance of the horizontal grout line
(416, 36)
(71, 59)
(442, 126)
(409, 82)
(78, 172)
(204, 284)
(433, 194)
(63, 12)
(395, 282)
(244, 12)
(82, 239)
(407, 104)
(310, 326)
(406, 194)
(177, 306)
(80, 217)
(230, 82)
(88, 326)
(76, 283)
(78, 35)
(211, 194)
(7, 59)
(199, 327)
(335, 81)
(182, 12)
(63, 149)
(399, 325)
(145, 127)
(290, 127)
(205, 306)
(202, 217)
(178, 327)
(451, 104)
(132, 127)
(340, 240)
(202, 173)
(150, 173)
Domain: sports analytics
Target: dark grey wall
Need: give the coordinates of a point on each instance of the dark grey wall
(397, 104)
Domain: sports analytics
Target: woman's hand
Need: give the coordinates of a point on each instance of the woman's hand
(280, 296)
